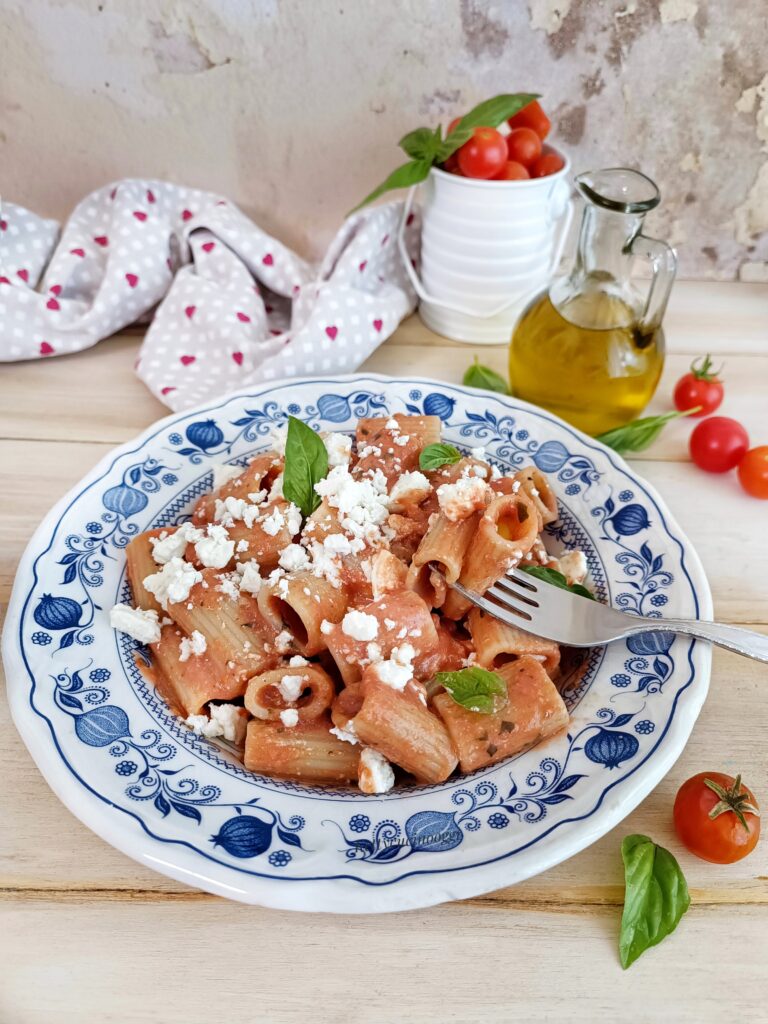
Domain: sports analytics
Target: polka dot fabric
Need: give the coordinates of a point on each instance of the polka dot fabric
(227, 304)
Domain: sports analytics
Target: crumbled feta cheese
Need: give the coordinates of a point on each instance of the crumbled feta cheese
(360, 625)
(226, 721)
(495, 473)
(283, 642)
(273, 523)
(173, 545)
(375, 774)
(289, 718)
(293, 519)
(229, 585)
(392, 424)
(242, 545)
(477, 453)
(398, 670)
(373, 650)
(297, 661)
(339, 448)
(250, 580)
(390, 623)
(276, 491)
(223, 474)
(460, 499)
(573, 565)
(291, 687)
(216, 549)
(347, 734)
(369, 449)
(141, 625)
(411, 487)
(293, 558)
(173, 583)
(362, 502)
(194, 644)
(326, 627)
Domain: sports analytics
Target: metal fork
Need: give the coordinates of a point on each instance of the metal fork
(522, 600)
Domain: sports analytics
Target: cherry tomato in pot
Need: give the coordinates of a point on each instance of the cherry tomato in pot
(718, 444)
(531, 116)
(523, 146)
(550, 162)
(512, 171)
(716, 817)
(484, 155)
(701, 387)
(753, 472)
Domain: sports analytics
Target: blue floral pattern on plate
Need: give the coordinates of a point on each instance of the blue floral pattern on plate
(132, 771)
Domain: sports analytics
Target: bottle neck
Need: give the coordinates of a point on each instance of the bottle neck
(604, 244)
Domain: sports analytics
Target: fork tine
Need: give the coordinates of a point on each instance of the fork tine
(523, 579)
(508, 585)
(503, 610)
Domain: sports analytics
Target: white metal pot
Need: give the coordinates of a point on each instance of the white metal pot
(487, 247)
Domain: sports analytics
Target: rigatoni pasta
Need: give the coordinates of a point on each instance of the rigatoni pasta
(332, 629)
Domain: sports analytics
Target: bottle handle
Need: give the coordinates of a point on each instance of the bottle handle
(663, 260)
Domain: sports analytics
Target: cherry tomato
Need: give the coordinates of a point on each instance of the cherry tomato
(531, 116)
(718, 444)
(454, 123)
(753, 472)
(484, 155)
(524, 146)
(699, 387)
(512, 171)
(452, 164)
(716, 817)
(550, 162)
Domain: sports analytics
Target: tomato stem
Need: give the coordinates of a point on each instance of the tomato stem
(732, 799)
(704, 371)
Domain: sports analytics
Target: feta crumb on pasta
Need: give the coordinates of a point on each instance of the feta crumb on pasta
(215, 549)
(410, 487)
(136, 622)
(464, 497)
(397, 671)
(173, 545)
(192, 645)
(224, 474)
(174, 581)
(360, 625)
(293, 558)
(375, 774)
(339, 448)
(289, 717)
(226, 722)
(573, 565)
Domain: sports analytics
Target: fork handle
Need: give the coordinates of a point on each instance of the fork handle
(742, 641)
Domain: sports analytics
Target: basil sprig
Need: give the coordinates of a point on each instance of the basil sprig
(655, 897)
(306, 463)
(436, 455)
(637, 435)
(476, 689)
(427, 147)
(479, 376)
(557, 579)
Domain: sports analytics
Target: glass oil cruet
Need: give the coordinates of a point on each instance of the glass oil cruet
(591, 348)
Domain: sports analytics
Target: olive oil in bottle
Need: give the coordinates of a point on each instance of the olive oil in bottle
(591, 348)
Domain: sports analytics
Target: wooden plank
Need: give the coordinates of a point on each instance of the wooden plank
(725, 738)
(141, 963)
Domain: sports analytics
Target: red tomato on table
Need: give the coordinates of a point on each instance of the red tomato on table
(512, 171)
(533, 117)
(718, 444)
(753, 472)
(716, 817)
(484, 155)
(523, 146)
(700, 387)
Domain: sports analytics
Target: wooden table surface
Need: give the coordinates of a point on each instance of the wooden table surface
(87, 935)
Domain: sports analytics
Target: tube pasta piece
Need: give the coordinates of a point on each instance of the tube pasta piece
(453, 649)
(400, 727)
(190, 684)
(428, 584)
(534, 711)
(347, 705)
(402, 617)
(507, 530)
(323, 522)
(140, 564)
(536, 487)
(497, 643)
(233, 630)
(446, 544)
(407, 532)
(265, 699)
(393, 451)
(300, 603)
(263, 545)
(259, 474)
(388, 573)
(307, 752)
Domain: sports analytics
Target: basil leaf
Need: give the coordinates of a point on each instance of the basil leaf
(479, 376)
(422, 143)
(655, 898)
(637, 435)
(306, 463)
(405, 175)
(489, 113)
(436, 455)
(476, 689)
(541, 572)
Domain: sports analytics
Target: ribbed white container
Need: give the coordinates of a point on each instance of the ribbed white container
(487, 247)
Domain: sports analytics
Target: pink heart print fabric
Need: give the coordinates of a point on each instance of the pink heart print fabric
(229, 305)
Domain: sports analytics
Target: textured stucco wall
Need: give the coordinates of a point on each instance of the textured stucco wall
(293, 107)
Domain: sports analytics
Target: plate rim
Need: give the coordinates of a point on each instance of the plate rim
(333, 895)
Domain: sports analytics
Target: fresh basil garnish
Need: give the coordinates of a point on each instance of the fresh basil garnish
(655, 898)
(306, 463)
(479, 376)
(436, 455)
(476, 689)
(426, 146)
(557, 579)
(639, 434)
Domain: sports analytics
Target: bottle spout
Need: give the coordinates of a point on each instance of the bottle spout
(619, 189)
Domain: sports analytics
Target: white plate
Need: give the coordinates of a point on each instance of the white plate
(117, 758)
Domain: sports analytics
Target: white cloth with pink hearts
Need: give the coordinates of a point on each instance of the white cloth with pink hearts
(232, 305)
